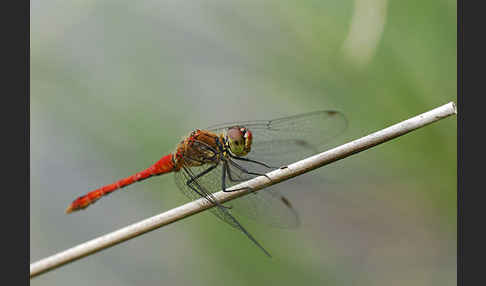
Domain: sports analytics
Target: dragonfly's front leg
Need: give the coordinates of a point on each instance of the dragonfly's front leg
(230, 176)
(248, 172)
(226, 169)
(250, 160)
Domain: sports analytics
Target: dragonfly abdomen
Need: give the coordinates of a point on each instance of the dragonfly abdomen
(164, 165)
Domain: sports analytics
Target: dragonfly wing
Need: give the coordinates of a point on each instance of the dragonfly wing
(267, 206)
(205, 185)
(285, 140)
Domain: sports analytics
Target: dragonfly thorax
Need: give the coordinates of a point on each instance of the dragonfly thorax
(238, 140)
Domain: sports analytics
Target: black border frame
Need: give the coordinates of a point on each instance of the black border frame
(470, 182)
(15, 118)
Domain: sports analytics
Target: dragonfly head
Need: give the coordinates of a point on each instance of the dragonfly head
(239, 140)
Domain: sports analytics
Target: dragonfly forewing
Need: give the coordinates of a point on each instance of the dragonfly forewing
(285, 140)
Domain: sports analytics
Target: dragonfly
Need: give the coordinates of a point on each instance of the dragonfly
(220, 156)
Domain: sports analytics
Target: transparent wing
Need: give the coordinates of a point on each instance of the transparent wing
(205, 185)
(199, 190)
(285, 140)
(266, 206)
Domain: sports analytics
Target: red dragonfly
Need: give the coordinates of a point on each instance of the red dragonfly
(223, 155)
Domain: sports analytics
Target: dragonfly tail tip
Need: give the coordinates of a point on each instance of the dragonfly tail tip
(69, 210)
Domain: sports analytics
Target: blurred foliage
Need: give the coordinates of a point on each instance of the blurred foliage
(116, 84)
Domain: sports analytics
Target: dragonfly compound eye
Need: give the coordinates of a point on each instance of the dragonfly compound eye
(239, 140)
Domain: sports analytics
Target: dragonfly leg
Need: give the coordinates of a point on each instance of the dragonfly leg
(228, 170)
(193, 180)
(250, 160)
(223, 179)
(248, 172)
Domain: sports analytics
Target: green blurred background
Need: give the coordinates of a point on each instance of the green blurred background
(116, 84)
